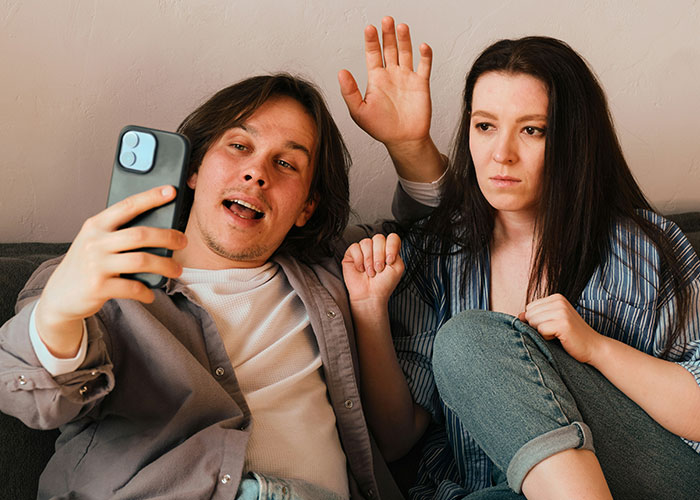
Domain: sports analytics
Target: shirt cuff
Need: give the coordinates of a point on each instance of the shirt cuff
(55, 366)
(427, 193)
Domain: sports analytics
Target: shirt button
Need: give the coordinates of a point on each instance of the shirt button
(370, 493)
(22, 380)
(219, 372)
(330, 314)
(93, 372)
(225, 478)
(348, 404)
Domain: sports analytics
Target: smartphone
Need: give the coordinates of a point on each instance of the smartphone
(147, 158)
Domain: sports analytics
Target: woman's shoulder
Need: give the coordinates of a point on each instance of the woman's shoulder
(633, 246)
(628, 232)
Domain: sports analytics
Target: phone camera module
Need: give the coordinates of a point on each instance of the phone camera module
(137, 151)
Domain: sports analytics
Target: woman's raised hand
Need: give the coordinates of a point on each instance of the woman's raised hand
(396, 109)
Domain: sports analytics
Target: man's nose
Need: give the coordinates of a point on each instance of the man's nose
(256, 171)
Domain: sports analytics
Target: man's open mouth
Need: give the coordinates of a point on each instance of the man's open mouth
(244, 210)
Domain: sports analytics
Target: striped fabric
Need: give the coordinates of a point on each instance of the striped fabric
(627, 299)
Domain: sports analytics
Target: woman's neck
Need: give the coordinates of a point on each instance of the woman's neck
(513, 229)
(511, 261)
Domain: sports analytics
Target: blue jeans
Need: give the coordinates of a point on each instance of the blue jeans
(523, 399)
(256, 486)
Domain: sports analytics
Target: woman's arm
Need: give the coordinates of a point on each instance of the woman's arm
(664, 389)
(372, 269)
(396, 108)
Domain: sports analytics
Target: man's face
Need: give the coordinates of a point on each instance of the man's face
(252, 188)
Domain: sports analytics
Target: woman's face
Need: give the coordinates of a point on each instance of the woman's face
(507, 139)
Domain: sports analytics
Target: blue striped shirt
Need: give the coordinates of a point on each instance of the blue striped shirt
(626, 298)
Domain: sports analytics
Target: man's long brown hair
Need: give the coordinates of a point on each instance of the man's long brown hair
(230, 107)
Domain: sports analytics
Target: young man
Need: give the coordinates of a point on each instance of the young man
(237, 378)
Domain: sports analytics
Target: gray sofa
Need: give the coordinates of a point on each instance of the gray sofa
(23, 451)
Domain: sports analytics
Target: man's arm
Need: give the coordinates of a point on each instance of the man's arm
(372, 268)
(70, 292)
(396, 109)
(91, 272)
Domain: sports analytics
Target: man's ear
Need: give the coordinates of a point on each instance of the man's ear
(307, 211)
(192, 181)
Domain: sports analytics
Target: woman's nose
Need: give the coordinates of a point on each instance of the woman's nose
(505, 151)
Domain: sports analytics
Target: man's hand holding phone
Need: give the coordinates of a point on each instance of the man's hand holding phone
(91, 271)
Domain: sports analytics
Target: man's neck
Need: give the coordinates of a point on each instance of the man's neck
(195, 257)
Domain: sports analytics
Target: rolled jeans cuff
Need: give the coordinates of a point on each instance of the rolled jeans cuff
(256, 486)
(577, 435)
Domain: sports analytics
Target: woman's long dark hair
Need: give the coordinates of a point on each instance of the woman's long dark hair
(587, 184)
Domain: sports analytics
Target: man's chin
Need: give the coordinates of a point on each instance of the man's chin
(252, 256)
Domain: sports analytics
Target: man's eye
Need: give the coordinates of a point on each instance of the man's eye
(284, 164)
(240, 147)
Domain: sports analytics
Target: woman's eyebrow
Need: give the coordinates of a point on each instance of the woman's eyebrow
(524, 118)
(533, 117)
(484, 114)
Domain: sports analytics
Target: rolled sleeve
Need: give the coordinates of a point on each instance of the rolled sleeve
(55, 366)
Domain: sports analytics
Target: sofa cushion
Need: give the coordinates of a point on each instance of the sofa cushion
(25, 451)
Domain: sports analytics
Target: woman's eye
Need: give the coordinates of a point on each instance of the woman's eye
(483, 126)
(534, 131)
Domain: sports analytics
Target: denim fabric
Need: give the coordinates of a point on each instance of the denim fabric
(523, 399)
(259, 487)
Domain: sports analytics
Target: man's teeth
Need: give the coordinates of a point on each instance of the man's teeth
(245, 210)
(247, 205)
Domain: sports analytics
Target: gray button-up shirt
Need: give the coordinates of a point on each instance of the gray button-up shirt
(156, 410)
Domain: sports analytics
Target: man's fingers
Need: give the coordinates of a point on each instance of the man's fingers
(366, 246)
(426, 61)
(393, 246)
(350, 92)
(373, 49)
(133, 238)
(127, 209)
(378, 251)
(403, 35)
(389, 42)
(141, 262)
(122, 288)
(353, 256)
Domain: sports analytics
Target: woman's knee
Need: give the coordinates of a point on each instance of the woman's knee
(467, 343)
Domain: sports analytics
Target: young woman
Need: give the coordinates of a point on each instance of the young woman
(547, 332)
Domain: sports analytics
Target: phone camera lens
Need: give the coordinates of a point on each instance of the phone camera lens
(131, 139)
(127, 158)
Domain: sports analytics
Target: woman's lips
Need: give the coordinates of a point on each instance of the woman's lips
(504, 180)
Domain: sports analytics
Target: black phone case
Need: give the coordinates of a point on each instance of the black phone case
(170, 161)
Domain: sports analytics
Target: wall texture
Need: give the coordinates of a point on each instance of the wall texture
(75, 71)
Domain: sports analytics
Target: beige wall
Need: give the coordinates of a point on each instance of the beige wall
(74, 72)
